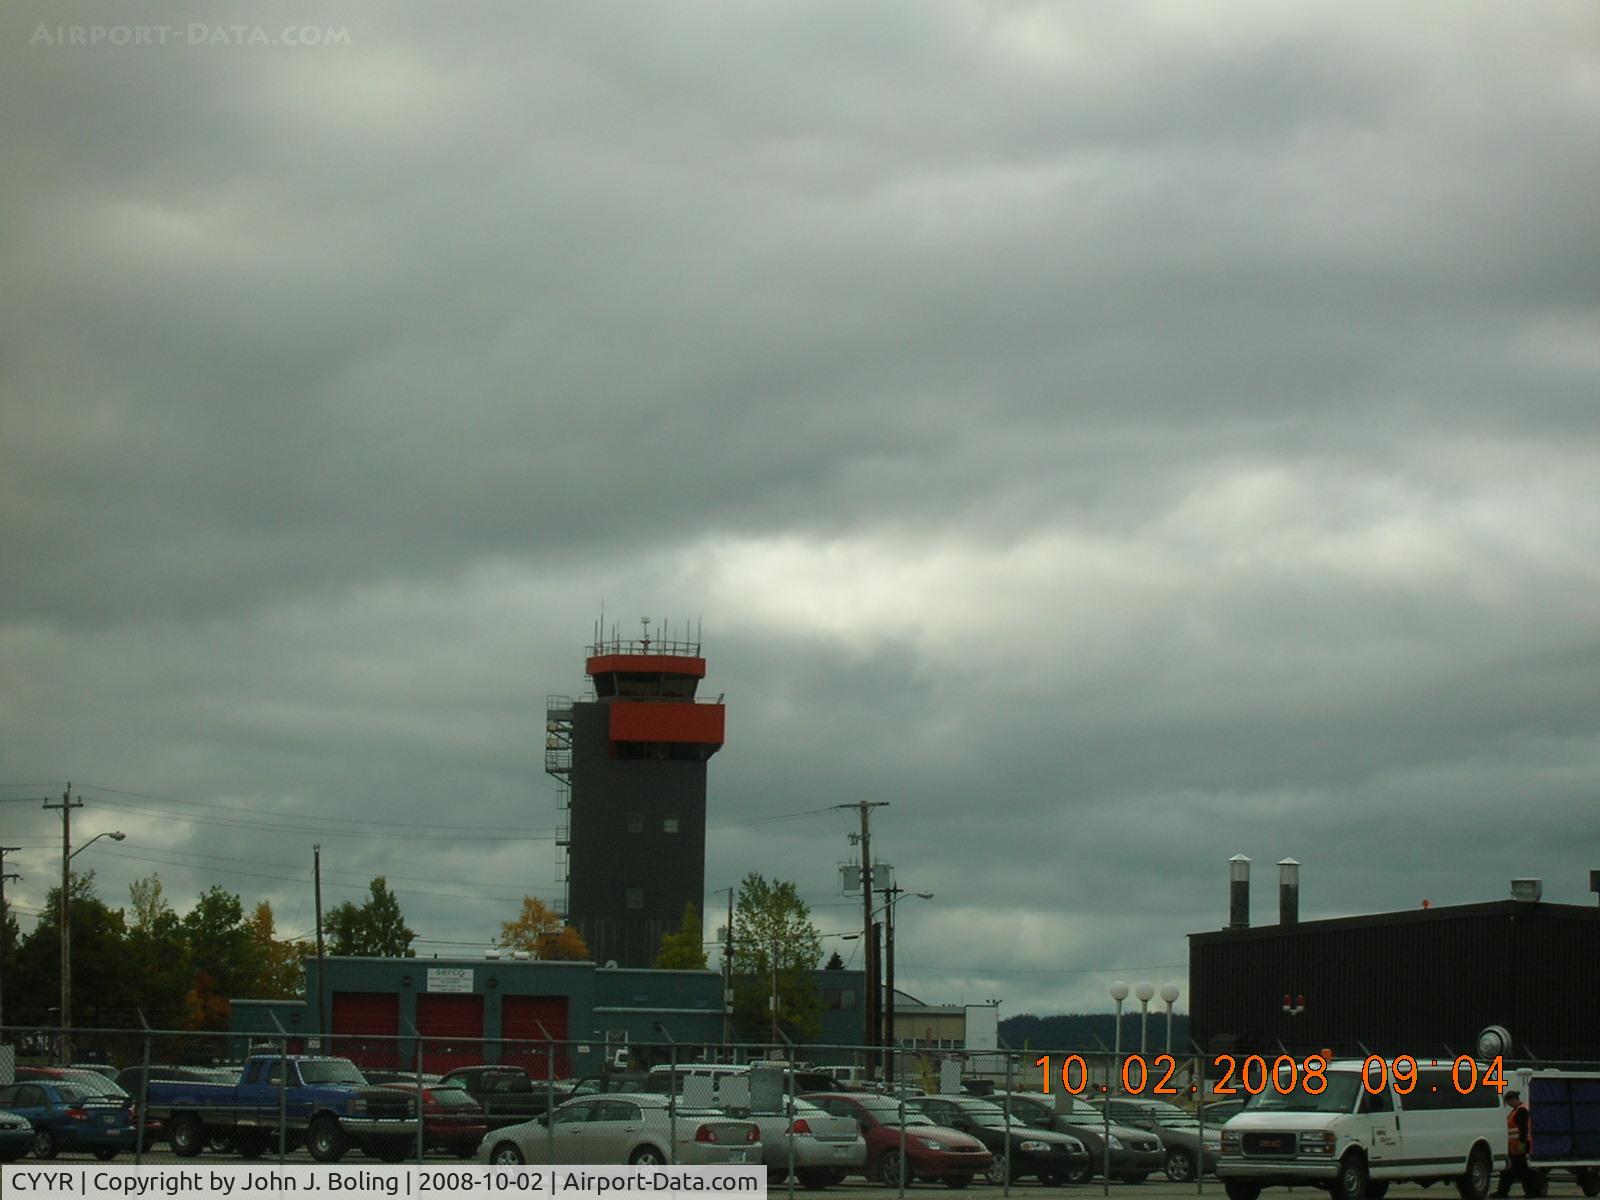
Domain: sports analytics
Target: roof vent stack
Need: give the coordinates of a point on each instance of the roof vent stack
(1239, 892)
(1288, 892)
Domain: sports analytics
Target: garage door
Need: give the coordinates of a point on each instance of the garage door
(450, 1028)
(364, 1028)
(525, 1023)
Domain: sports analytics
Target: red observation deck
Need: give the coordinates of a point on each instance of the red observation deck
(654, 712)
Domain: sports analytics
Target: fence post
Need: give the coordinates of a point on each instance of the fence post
(283, 1087)
(1200, 1091)
(1006, 1172)
(793, 1115)
(672, 1103)
(902, 1134)
(416, 1035)
(1105, 1134)
(144, 1093)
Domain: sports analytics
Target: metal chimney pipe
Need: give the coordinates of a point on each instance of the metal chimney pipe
(1288, 892)
(1239, 892)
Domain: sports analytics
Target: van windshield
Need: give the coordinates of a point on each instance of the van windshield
(1338, 1097)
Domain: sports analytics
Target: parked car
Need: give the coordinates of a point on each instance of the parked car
(16, 1136)
(1018, 1150)
(1135, 1153)
(106, 1069)
(508, 1094)
(824, 1147)
(933, 1152)
(383, 1077)
(451, 1120)
(1188, 1149)
(66, 1115)
(608, 1082)
(636, 1129)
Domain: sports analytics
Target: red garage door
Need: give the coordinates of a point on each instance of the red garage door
(449, 1026)
(364, 1028)
(525, 1023)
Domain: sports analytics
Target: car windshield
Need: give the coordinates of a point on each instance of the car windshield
(332, 1070)
(97, 1084)
(452, 1098)
(74, 1093)
(1337, 1096)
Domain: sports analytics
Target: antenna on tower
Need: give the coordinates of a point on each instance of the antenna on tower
(645, 640)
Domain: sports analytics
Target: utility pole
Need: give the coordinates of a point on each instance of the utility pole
(322, 966)
(4, 875)
(870, 1015)
(727, 977)
(893, 893)
(66, 806)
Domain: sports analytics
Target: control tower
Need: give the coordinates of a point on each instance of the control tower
(630, 764)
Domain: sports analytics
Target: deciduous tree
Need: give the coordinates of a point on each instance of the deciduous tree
(775, 948)
(375, 929)
(540, 931)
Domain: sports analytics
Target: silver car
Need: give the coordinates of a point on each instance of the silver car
(824, 1147)
(636, 1128)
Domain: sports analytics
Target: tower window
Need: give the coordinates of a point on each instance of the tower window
(669, 824)
(635, 822)
(633, 897)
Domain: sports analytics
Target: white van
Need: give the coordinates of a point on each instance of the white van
(1354, 1142)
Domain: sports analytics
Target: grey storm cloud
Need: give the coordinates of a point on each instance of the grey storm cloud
(1120, 436)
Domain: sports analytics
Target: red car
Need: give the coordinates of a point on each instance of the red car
(932, 1151)
(451, 1119)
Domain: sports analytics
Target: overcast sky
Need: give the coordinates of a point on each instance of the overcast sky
(1117, 435)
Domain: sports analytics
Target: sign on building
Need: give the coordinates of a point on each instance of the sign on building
(450, 979)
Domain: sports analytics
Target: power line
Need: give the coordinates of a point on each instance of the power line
(249, 812)
(323, 833)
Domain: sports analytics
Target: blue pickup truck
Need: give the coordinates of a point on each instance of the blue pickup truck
(327, 1104)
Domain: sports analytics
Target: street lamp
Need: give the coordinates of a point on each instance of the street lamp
(896, 894)
(1119, 993)
(67, 855)
(1169, 993)
(1144, 991)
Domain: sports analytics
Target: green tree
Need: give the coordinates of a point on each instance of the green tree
(834, 963)
(376, 929)
(156, 955)
(684, 950)
(101, 988)
(219, 944)
(278, 965)
(775, 948)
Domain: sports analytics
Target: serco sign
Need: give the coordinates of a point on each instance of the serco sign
(450, 979)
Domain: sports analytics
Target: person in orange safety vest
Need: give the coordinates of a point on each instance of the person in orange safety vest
(1518, 1142)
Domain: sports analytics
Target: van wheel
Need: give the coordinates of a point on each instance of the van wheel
(1351, 1183)
(1588, 1180)
(1474, 1184)
(1241, 1189)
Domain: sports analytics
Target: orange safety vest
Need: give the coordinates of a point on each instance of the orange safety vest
(1514, 1143)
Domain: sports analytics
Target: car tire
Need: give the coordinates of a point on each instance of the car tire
(1351, 1182)
(648, 1156)
(1052, 1178)
(995, 1173)
(44, 1145)
(1180, 1166)
(889, 1169)
(325, 1141)
(1080, 1174)
(1474, 1182)
(1588, 1180)
(507, 1154)
(1241, 1189)
(187, 1135)
(106, 1153)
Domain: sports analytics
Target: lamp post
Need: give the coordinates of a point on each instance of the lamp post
(1144, 991)
(67, 855)
(896, 894)
(1119, 993)
(1169, 993)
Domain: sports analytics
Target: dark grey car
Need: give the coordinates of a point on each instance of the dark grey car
(1180, 1133)
(1136, 1154)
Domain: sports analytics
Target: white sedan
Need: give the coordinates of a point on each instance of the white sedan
(635, 1128)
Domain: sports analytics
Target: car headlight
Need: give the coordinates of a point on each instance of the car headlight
(1230, 1142)
(1032, 1147)
(1116, 1142)
(930, 1144)
(1321, 1142)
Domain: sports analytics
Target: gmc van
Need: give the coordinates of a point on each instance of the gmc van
(1355, 1143)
